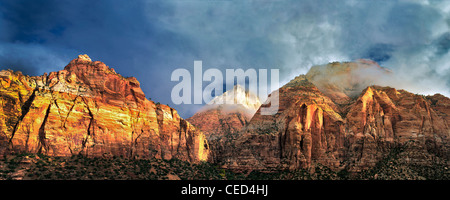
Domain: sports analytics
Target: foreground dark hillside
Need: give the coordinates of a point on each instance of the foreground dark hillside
(41, 167)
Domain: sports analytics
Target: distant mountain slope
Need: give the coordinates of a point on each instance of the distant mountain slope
(219, 117)
(219, 120)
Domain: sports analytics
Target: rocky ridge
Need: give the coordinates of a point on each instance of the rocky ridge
(88, 109)
(223, 117)
(326, 119)
(353, 133)
(226, 113)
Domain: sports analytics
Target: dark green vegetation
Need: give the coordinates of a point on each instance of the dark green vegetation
(395, 166)
(41, 167)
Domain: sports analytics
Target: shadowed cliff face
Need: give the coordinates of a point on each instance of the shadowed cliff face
(312, 127)
(89, 109)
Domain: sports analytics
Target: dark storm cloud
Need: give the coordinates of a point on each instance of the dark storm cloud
(149, 39)
(29, 21)
(27, 26)
(379, 52)
(443, 44)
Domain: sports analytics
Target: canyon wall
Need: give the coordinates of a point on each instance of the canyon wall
(89, 109)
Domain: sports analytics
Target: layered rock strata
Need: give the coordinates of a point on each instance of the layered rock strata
(353, 133)
(89, 109)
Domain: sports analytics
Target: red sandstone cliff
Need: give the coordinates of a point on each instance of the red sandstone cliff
(323, 117)
(89, 109)
(351, 132)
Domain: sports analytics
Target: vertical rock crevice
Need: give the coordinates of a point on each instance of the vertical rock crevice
(25, 109)
(42, 135)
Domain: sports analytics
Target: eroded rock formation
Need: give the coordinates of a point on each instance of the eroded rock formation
(223, 117)
(341, 131)
(227, 113)
(325, 117)
(89, 109)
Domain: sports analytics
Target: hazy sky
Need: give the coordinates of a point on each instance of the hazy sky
(150, 39)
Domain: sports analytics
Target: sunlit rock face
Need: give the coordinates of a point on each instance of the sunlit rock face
(328, 116)
(341, 126)
(89, 109)
(224, 116)
(226, 113)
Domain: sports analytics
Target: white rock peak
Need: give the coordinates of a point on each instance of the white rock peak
(84, 57)
(237, 96)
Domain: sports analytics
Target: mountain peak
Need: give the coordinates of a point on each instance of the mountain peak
(237, 96)
(96, 79)
(238, 87)
(85, 65)
(84, 57)
(87, 110)
(227, 113)
(344, 80)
